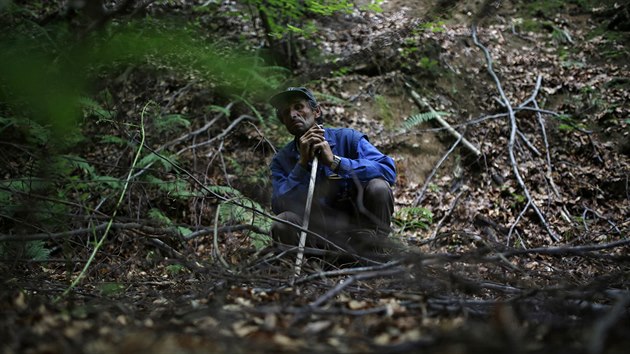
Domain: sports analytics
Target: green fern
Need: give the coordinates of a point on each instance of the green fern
(93, 108)
(152, 158)
(223, 110)
(171, 123)
(109, 181)
(74, 162)
(246, 211)
(420, 118)
(413, 218)
(33, 250)
(159, 217)
(224, 191)
(34, 132)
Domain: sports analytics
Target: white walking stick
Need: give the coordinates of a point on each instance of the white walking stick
(307, 216)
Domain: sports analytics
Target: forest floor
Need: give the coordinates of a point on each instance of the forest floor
(520, 247)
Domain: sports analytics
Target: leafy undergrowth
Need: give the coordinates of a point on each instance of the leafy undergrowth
(479, 271)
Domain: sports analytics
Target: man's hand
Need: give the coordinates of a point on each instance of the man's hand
(313, 143)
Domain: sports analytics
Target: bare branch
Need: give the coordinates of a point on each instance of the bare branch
(513, 129)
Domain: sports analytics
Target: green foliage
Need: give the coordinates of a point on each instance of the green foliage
(219, 109)
(111, 289)
(568, 123)
(159, 217)
(36, 250)
(384, 110)
(93, 108)
(434, 187)
(175, 188)
(33, 132)
(420, 118)
(109, 182)
(434, 27)
(151, 159)
(413, 58)
(45, 76)
(284, 17)
(342, 71)
(243, 210)
(31, 250)
(373, 6)
(174, 269)
(171, 123)
(413, 218)
(428, 64)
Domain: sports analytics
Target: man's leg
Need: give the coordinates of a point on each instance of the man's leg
(290, 235)
(378, 201)
(285, 233)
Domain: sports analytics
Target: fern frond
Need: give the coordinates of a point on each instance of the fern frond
(225, 191)
(159, 217)
(90, 106)
(223, 110)
(420, 118)
(171, 122)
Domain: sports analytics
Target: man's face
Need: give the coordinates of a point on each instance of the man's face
(298, 116)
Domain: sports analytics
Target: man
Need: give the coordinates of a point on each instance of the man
(353, 201)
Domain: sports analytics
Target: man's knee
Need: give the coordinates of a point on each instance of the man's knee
(379, 191)
(283, 232)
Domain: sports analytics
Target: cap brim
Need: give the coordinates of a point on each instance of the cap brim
(284, 96)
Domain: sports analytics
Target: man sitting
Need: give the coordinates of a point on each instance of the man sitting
(353, 201)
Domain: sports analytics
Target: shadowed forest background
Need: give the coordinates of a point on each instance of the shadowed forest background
(135, 139)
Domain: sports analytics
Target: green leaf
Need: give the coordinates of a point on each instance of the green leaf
(412, 218)
(184, 231)
(109, 181)
(149, 159)
(93, 108)
(420, 118)
(37, 251)
(158, 216)
(171, 123)
(222, 110)
(260, 241)
(111, 289)
(174, 268)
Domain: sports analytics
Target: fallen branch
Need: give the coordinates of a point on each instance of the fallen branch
(127, 226)
(565, 251)
(434, 171)
(348, 281)
(422, 103)
(513, 129)
(451, 208)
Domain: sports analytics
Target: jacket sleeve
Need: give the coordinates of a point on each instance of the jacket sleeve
(290, 184)
(370, 164)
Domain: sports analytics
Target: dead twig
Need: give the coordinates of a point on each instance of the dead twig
(434, 171)
(350, 280)
(126, 226)
(437, 228)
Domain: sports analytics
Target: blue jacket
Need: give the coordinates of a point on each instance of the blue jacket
(360, 161)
